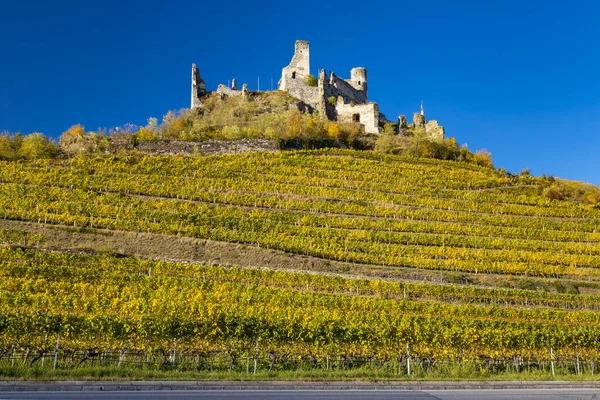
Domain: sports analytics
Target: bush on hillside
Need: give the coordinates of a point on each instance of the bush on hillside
(10, 146)
(31, 147)
(76, 141)
(558, 189)
(36, 145)
(272, 115)
(419, 145)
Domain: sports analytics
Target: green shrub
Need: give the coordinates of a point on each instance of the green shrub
(36, 145)
(10, 146)
(310, 80)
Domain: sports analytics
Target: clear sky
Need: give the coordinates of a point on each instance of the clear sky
(519, 78)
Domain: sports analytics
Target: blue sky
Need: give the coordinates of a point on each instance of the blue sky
(519, 78)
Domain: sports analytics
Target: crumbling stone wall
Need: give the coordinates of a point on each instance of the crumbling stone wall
(226, 91)
(179, 147)
(434, 130)
(336, 87)
(431, 128)
(198, 87)
(366, 114)
(297, 69)
(293, 80)
(402, 125)
(339, 99)
(308, 94)
(418, 121)
(293, 76)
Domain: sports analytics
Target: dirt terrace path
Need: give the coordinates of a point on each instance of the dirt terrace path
(186, 249)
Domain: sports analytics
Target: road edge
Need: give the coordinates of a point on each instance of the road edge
(27, 386)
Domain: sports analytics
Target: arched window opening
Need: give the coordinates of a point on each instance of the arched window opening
(294, 75)
(355, 117)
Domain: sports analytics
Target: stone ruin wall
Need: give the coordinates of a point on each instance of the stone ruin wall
(308, 94)
(431, 128)
(336, 87)
(351, 95)
(345, 92)
(293, 76)
(227, 91)
(198, 87)
(298, 68)
(366, 114)
(180, 147)
(434, 130)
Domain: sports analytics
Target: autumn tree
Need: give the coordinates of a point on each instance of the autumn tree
(36, 145)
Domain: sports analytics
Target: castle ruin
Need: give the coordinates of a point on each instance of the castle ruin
(343, 100)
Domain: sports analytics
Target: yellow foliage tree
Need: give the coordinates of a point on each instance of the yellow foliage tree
(333, 130)
(144, 133)
(36, 145)
(75, 130)
(483, 158)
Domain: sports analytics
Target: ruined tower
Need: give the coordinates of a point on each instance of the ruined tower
(198, 87)
(358, 79)
(298, 68)
(418, 120)
(338, 99)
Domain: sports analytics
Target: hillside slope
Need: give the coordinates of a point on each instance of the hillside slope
(343, 215)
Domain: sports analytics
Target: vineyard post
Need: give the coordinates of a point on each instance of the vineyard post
(408, 359)
(248, 359)
(255, 356)
(552, 360)
(60, 327)
(122, 357)
(577, 358)
(137, 244)
(44, 353)
(174, 352)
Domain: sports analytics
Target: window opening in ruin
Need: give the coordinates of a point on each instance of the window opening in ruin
(355, 117)
(294, 75)
(359, 82)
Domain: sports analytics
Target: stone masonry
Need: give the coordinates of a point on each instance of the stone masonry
(347, 94)
(338, 99)
(434, 130)
(198, 87)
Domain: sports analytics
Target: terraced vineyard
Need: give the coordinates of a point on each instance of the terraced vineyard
(357, 208)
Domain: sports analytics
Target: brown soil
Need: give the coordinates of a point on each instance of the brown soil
(174, 248)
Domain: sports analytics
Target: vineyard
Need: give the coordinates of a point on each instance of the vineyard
(75, 307)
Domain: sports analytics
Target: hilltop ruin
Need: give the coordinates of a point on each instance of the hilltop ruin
(343, 100)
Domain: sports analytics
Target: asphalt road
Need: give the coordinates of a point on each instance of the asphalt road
(487, 394)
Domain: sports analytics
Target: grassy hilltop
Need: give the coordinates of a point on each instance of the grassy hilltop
(314, 263)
